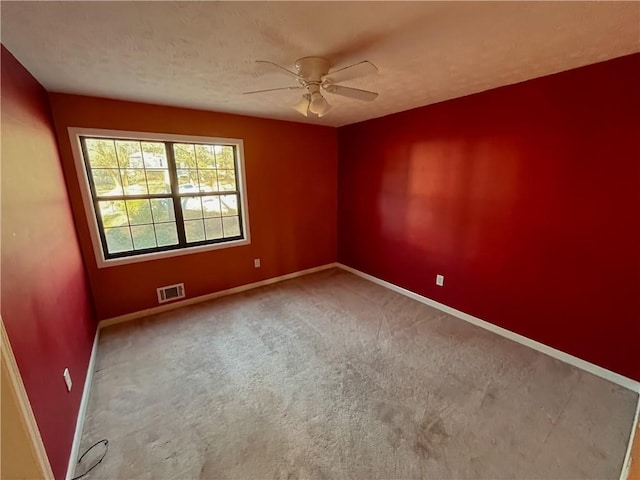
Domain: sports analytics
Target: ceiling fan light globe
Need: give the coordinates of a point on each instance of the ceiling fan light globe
(318, 104)
(303, 105)
(325, 110)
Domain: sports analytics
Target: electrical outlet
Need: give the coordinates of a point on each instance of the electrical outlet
(256, 262)
(67, 379)
(440, 280)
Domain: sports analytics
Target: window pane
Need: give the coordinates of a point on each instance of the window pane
(205, 155)
(118, 239)
(188, 181)
(231, 226)
(229, 204)
(154, 154)
(143, 236)
(208, 180)
(213, 228)
(166, 234)
(158, 181)
(211, 206)
(139, 212)
(225, 157)
(162, 210)
(102, 153)
(227, 180)
(135, 182)
(114, 213)
(185, 157)
(191, 207)
(194, 230)
(129, 154)
(106, 181)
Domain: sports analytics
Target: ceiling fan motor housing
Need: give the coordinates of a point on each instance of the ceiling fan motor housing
(312, 69)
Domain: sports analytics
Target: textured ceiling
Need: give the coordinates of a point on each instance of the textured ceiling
(200, 54)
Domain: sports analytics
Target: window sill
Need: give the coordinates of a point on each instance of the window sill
(148, 257)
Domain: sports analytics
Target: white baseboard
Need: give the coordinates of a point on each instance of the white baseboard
(210, 296)
(541, 347)
(82, 411)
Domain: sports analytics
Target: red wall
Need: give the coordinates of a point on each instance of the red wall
(45, 300)
(291, 172)
(527, 199)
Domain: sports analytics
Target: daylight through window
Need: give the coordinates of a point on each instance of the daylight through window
(153, 196)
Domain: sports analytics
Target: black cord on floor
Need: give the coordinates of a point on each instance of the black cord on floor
(106, 444)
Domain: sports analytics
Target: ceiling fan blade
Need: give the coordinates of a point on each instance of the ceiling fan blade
(352, 71)
(278, 68)
(364, 95)
(273, 90)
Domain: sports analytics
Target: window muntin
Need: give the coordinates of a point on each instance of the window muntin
(152, 196)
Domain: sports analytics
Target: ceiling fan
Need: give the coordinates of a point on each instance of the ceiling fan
(314, 76)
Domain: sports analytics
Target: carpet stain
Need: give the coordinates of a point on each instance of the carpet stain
(431, 436)
(396, 419)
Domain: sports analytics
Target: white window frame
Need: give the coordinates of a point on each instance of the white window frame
(74, 136)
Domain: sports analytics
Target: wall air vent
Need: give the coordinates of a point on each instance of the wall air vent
(170, 292)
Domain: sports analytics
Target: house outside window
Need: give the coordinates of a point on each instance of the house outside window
(150, 196)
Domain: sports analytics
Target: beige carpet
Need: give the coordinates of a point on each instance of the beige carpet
(332, 377)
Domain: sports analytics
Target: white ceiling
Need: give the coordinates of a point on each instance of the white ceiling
(200, 54)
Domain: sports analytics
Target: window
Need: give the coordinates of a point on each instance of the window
(150, 195)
